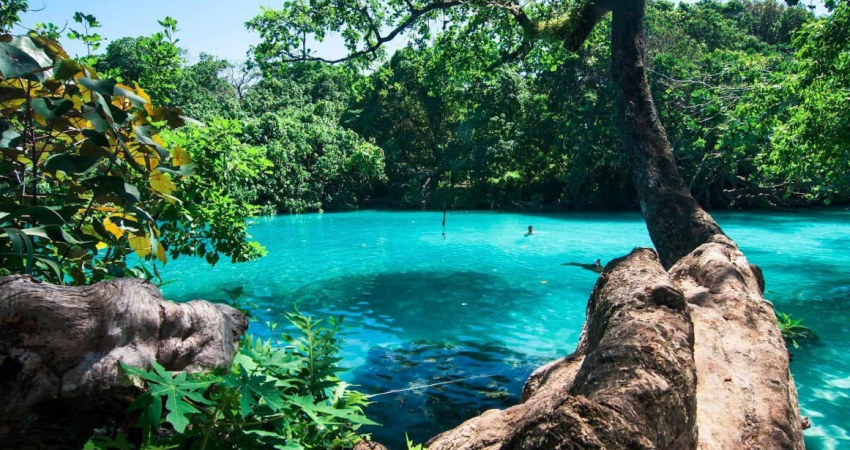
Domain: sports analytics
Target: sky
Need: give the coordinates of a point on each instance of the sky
(206, 26)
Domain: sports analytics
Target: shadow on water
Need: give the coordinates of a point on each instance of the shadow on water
(429, 327)
(412, 305)
(471, 378)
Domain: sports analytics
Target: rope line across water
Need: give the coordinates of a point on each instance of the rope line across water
(441, 383)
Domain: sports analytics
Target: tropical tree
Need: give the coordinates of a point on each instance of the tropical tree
(86, 178)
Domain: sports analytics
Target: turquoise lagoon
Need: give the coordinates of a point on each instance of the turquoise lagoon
(482, 305)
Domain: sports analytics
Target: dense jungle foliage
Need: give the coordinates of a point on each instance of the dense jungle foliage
(119, 159)
(753, 95)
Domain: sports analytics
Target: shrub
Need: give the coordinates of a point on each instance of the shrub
(281, 393)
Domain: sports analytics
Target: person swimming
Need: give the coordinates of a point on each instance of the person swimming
(530, 231)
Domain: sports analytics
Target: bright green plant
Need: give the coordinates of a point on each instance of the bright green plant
(412, 446)
(153, 61)
(280, 393)
(220, 195)
(318, 164)
(85, 176)
(87, 35)
(791, 329)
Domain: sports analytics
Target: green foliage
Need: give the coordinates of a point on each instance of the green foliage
(9, 13)
(412, 446)
(220, 195)
(286, 397)
(204, 93)
(318, 164)
(813, 145)
(153, 61)
(87, 178)
(88, 36)
(791, 329)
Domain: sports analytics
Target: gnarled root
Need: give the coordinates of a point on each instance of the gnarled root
(60, 348)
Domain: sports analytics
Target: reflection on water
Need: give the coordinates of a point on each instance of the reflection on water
(486, 305)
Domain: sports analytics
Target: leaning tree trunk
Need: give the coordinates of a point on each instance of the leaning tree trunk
(738, 348)
(684, 359)
(689, 358)
(630, 384)
(60, 348)
(676, 222)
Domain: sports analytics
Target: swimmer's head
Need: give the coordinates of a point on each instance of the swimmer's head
(530, 229)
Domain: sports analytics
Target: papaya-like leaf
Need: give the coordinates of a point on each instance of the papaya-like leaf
(179, 392)
(102, 87)
(71, 164)
(16, 63)
(50, 109)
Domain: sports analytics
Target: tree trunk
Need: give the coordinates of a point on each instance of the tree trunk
(685, 359)
(60, 348)
(676, 222)
(630, 384)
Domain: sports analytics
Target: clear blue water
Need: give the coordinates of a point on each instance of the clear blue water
(485, 301)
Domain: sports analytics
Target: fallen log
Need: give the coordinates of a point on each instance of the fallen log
(690, 359)
(60, 348)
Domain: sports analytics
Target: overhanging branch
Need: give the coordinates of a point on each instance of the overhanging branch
(415, 15)
(571, 29)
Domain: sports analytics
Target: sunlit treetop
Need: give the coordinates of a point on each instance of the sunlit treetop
(514, 28)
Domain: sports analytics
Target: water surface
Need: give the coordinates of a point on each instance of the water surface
(483, 305)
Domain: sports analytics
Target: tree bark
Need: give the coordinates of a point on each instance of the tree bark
(746, 396)
(630, 384)
(685, 359)
(60, 348)
(676, 222)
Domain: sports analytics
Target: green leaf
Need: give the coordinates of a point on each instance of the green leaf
(71, 164)
(50, 232)
(102, 87)
(49, 264)
(254, 389)
(67, 69)
(50, 109)
(20, 243)
(15, 63)
(177, 390)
